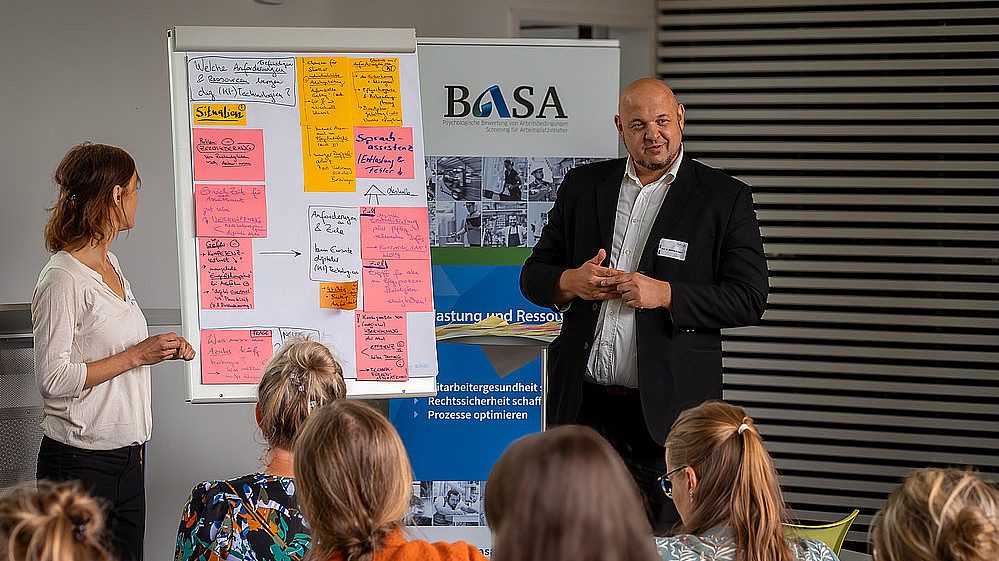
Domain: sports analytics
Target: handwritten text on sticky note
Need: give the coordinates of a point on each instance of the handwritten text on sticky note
(234, 356)
(219, 114)
(231, 211)
(381, 346)
(324, 90)
(395, 233)
(328, 158)
(377, 97)
(228, 154)
(397, 285)
(338, 295)
(384, 152)
(226, 273)
(246, 79)
(334, 239)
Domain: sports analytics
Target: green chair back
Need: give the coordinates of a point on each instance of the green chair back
(830, 534)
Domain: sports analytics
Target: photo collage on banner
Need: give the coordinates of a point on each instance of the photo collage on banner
(483, 201)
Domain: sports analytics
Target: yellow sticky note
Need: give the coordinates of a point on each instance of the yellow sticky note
(377, 97)
(324, 90)
(328, 158)
(338, 295)
(219, 114)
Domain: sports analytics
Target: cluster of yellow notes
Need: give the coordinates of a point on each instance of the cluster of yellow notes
(335, 95)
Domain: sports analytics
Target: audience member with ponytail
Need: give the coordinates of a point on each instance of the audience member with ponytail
(55, 522)
(938, 515)
(256, 516)
(724, 485)
(354, 485)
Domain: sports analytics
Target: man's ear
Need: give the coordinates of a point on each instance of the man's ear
(619, 126)
(679, 116)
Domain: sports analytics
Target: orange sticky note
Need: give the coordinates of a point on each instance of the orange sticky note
(325, 90)
(338, 295)
(377, 96)
(226, 273)
(397, 285)
(381, 347)
(228, 154)
(395, 233)
(231, 211)
(234, 356)
(383, 152)
(328, 158)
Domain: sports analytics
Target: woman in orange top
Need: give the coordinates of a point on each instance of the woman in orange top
(354, 486)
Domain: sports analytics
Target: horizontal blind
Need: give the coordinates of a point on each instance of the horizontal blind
(869, 132)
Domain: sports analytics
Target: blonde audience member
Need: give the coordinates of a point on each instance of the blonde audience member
(724, 485)
(56, 522)
(256, 516)
(564, 494)
(938, 515)
(354, 485)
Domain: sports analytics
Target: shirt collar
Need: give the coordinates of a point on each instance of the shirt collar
(667, 178)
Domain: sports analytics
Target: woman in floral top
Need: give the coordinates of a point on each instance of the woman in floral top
(256, 516)
(724, 485)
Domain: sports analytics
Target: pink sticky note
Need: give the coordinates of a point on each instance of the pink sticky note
(381, 346)
(226, 273)
(397, 285)
(383, 152)
(395, 233)
(228, 154)
(234, 356)
(231, 211)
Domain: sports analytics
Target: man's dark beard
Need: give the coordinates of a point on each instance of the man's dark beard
(653, 166)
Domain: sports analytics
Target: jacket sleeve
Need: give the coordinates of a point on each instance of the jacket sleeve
(738, 296)
(550, 256)
(54, 310)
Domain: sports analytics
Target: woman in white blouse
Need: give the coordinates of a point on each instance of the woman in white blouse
(92, 350)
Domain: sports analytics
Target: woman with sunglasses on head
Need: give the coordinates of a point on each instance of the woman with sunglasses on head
(724, 485)
(92, 348)
(565, 495)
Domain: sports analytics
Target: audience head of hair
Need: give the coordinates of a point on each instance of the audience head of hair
(301, 376)
(55, 522)
(565, 494)
(86, 211)
(938, 515)
(353, 479)
(736, 483)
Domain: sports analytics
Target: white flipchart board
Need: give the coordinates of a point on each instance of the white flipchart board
(284, 299)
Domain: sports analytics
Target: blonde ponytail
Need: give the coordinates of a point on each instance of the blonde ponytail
(737, 482)
(56, 522)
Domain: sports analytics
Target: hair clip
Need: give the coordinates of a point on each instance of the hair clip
(743, 427)
(80, 528)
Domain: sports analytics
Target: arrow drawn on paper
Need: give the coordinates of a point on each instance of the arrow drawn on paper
(286, 252)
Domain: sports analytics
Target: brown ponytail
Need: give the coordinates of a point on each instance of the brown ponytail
(56, 522)
(353, 479)
(737, 483)
(938, 515)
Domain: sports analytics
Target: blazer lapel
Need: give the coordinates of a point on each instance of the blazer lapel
(679, 194)
(606, 193)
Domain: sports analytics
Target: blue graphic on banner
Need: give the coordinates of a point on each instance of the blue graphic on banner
(476, 414)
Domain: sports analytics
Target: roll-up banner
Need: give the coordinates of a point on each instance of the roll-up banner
(503, 121)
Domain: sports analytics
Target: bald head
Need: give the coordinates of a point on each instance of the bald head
(650, 122)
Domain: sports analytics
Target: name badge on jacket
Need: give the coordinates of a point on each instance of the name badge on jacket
(673, 249)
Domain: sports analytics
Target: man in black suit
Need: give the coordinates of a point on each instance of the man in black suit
(647, 258)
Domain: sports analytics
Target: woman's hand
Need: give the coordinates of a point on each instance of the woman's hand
(185, 351)
(158, 348)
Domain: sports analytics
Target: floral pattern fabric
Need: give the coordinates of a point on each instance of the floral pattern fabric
(249, 518)
(717, 544)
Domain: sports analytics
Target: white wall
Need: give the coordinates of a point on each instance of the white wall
(77, 70)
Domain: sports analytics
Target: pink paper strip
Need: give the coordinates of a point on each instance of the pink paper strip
(234, 356)
(231, 211)
(397, 285)
(228, 154)
(395, 233)
(381, 346)
(383, 152)
(226, 267)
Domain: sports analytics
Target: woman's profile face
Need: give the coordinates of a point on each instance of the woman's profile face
(129, 202)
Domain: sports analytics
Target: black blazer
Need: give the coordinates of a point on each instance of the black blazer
(721, 283)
